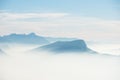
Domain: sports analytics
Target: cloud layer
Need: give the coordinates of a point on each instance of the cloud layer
(59, 25)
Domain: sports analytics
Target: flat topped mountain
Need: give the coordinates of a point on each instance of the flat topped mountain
(66, 46)
(31, 38)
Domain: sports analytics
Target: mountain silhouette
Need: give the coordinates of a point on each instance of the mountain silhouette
(66, 46)
(31, 38)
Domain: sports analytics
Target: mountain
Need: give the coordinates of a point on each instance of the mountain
(66, 46)
(31, 38)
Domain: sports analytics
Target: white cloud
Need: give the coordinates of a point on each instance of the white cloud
(60, 24)
(17, 16)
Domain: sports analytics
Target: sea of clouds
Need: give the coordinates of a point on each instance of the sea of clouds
(18, 64)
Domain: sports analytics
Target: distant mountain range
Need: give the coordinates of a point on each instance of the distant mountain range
(50, 44)
(31, 38)
(66, 46)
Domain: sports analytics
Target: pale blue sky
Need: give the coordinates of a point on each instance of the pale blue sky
(107, 9)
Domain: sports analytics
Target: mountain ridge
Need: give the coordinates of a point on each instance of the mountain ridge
(66, 46)
(31, 38)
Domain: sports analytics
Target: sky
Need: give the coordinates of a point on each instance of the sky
(92, 20)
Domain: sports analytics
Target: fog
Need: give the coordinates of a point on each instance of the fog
(19, 64)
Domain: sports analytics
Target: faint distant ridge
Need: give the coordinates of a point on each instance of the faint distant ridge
(66, 46)
(1, 52)
(54, 39)
(31, 38)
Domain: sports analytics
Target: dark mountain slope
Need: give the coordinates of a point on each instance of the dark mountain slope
(66, 46)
